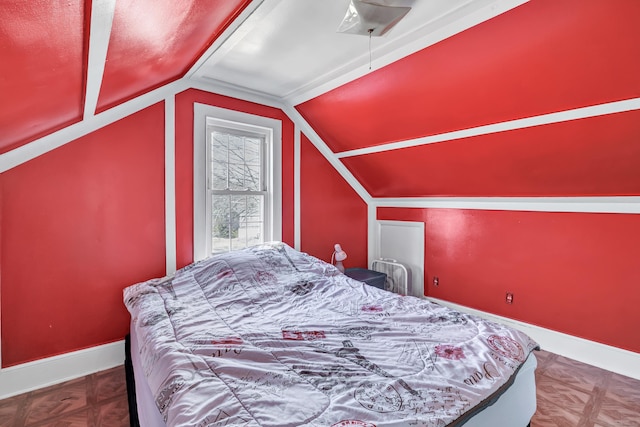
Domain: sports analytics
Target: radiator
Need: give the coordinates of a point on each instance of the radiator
(398, 275)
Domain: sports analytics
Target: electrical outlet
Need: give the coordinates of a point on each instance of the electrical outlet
(509, 298)
(436, 281)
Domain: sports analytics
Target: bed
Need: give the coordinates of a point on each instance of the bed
(269, 336)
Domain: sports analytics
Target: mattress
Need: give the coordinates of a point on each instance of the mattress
(271, 336)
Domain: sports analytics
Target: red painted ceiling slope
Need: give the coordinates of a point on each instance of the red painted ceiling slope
(156, 41)
(541, 57)
(42, 68)
(589, 157)
(330, 210)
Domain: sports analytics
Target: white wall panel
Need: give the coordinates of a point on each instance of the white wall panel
(403, 241)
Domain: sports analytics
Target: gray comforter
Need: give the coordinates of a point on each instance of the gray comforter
(269, 336)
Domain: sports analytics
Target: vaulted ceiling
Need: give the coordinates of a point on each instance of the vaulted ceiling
(462, 97)
(542, 100)
(64, 60)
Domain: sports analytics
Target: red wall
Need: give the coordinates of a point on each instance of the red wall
(156, 41)
(589, 157)
(541, 57)
(576, 273)
(87, 219)
(43, 71)
(184, 164)
(330, 210)
(78, 225)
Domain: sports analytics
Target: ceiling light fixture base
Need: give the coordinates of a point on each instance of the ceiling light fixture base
(371, 19)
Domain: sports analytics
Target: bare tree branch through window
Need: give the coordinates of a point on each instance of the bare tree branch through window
(238, 189)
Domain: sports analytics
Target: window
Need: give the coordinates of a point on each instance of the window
(237, 187)
(236, 180)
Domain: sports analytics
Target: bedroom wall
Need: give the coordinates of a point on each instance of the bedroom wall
(78, 225)
(575, 273)
(323, 192)
(541, 57)
(81, 222)
(539, 108)
(31, 106)
(330, 210)
(184, 164)
(594, 156)
(84, 221)
(540, 60)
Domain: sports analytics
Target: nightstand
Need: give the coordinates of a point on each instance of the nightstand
(370, 277)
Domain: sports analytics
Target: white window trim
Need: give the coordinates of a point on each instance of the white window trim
(201, 112)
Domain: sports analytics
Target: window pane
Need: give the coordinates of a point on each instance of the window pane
(252, 155)
(250, 218)
(236, 145)
(252, 148)
(221, 225)
(219, 160)
(237, 222)
(251, 178)
(236, 162)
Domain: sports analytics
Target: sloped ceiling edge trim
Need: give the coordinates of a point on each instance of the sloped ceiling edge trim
(545, 119)
(306, 128)
(57, 139)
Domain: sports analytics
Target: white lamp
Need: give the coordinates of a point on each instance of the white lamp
(338, 255)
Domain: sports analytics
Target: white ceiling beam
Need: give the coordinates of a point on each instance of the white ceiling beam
(320, 145)
(102, 12)
(595, 204)
(72, 132)
(544, 119)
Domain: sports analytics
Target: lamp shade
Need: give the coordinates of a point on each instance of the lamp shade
(339, 254)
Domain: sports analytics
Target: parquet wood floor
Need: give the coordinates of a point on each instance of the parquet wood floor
(570, 394)
(95, 400)
(573, 394)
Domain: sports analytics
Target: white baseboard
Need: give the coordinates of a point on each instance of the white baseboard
(53, 370)
(603, 356)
